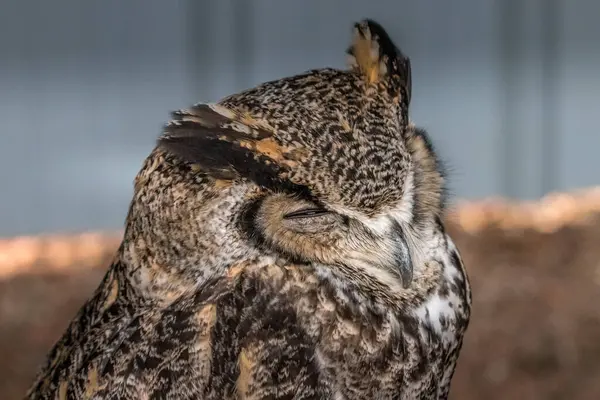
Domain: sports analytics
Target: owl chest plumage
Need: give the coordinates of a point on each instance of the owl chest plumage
(404, 354)
(272, 330)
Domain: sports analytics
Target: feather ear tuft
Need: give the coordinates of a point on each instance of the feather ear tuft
(377, 58)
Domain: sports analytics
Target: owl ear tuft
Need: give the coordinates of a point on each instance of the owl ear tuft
(374, 55)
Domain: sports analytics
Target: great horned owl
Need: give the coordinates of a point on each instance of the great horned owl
(284, 243)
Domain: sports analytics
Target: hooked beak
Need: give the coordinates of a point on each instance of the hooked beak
(388, 251)
(402, 260)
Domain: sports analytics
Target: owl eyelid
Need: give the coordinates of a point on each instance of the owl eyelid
(306, 213)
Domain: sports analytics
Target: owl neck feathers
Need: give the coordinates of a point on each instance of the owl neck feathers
(176, 237)
(429, 180)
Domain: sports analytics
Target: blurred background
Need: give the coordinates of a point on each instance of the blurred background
(508, 90)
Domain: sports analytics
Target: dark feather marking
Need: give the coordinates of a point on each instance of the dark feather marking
(188, 128)
(214, 154)
(202, 120)
(209, 117)
(241, 324)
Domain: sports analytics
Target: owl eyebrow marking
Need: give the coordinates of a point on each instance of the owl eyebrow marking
(217, 121)
(226, 144)
(216, 155)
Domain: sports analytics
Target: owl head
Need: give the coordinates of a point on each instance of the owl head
(319, 168)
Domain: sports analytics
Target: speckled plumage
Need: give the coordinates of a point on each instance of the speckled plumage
(284, 243)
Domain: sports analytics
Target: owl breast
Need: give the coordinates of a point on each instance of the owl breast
(370, 348)
(445, 311)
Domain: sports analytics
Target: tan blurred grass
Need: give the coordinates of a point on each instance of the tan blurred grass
(534, 267)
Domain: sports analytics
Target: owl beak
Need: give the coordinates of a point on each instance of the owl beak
(386, 249)
(403, 263)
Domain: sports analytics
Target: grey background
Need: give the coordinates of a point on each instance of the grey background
(509, 90)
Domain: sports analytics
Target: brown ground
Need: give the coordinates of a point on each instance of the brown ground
(535, 271)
